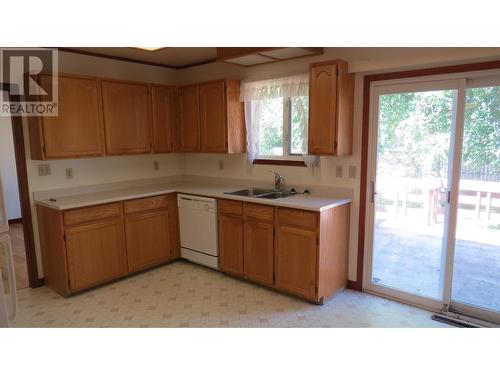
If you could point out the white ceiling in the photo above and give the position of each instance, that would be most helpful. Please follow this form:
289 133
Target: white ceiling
172 57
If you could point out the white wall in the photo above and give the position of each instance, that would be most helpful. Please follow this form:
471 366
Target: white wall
8 169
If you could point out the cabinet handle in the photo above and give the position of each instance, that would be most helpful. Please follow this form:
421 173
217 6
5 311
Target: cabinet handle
373 193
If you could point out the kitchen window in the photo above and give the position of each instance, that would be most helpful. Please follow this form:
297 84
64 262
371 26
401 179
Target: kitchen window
277 113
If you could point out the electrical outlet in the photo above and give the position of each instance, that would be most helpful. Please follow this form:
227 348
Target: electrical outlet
352 171
156 165
221 164
69 173
44 169
338 171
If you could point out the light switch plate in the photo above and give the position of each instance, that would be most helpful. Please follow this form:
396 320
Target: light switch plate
44 169
156 165
69 173
352 171
221 164
338 171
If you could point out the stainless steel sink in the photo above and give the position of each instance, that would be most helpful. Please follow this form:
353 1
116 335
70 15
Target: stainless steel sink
251 192
276 194
261 193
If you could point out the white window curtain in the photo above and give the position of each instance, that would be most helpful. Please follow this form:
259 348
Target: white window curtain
253 92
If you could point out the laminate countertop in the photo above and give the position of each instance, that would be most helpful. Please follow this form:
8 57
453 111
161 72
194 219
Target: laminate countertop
299 201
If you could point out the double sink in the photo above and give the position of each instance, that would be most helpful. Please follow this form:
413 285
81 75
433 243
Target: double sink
262 193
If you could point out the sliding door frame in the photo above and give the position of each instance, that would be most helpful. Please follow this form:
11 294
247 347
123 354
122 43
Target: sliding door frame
367 82
483 77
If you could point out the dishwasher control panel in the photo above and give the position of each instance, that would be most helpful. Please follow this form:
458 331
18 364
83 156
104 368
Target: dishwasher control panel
197 203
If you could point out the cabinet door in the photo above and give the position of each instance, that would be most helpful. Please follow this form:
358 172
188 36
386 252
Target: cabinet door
322 109
213 129
77 130
163 119
148 239
126 118
190 118
296 261
96 253
258 252
231 244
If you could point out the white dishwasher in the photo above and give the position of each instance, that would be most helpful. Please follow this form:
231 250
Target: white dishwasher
198 227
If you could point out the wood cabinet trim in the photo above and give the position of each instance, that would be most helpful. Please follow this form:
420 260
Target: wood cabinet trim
262 212
145 204
231 207
89 214
298 218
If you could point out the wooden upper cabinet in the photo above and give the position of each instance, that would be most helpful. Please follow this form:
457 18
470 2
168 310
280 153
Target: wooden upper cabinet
222 124
213 127
164 118
127 117
212 118
189 103
331 101
77 131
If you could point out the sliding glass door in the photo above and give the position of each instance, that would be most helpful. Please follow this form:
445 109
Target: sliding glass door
476 268
433 223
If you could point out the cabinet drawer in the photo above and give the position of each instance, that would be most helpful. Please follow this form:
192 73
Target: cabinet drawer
88 214
259 211
300 218
230 207
145 204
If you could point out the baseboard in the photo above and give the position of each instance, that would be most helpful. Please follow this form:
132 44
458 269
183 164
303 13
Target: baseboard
16 221
38 283
354 285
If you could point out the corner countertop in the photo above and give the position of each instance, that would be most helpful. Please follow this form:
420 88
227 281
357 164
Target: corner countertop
299 201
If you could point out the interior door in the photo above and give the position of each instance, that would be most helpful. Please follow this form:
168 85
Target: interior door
475 287
412 128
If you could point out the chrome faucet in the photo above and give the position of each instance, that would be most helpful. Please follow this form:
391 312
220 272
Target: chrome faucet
278 180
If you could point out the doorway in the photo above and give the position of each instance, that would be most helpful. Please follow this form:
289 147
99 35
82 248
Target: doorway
23 239
12 201
433 217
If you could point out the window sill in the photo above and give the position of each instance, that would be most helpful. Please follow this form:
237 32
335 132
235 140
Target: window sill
290 163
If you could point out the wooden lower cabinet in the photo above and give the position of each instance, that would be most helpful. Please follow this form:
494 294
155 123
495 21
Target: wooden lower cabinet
258 252
300 252
296 259
231 244
86 247
95 253
148 239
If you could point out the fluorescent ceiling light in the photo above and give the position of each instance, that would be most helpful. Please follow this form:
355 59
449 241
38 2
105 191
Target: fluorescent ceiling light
150 49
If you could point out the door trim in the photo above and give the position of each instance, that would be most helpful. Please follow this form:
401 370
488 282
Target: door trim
24 195
367 81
